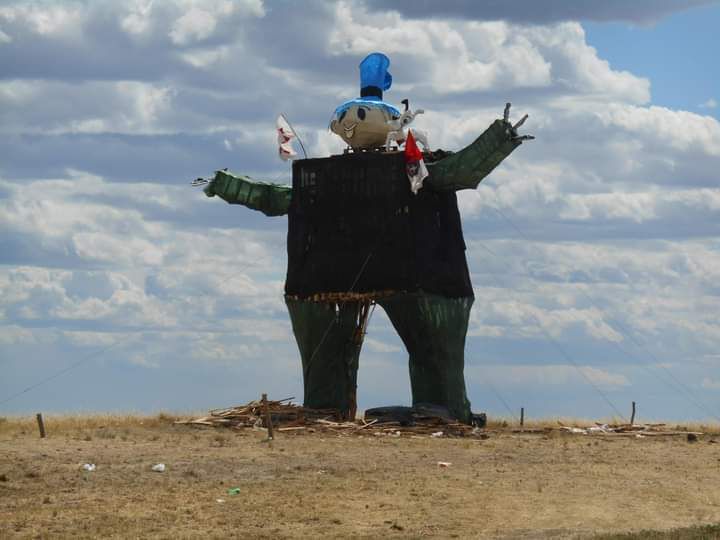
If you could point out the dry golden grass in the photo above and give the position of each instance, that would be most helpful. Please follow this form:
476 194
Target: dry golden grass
511 485
62 423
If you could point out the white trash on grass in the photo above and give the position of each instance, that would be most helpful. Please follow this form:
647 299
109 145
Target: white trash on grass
160 467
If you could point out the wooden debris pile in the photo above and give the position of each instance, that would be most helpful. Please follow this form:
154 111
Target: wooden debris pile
282 413
286 416
289 417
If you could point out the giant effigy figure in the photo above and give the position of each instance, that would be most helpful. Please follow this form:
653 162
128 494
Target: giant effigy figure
376 225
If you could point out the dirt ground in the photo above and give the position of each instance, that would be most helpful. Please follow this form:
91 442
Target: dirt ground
510 485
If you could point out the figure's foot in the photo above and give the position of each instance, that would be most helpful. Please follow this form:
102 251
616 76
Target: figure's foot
479 420
396 413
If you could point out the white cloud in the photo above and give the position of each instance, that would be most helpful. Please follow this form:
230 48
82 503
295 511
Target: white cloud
205 58
709 104
520 319
478 58
13 334
195 25
143 361
531 11
681 130
549 375
189 281
200 19
213 350
637 207
378 346
47 19
93 339
56 108
605 378
18 92
138 19
710 384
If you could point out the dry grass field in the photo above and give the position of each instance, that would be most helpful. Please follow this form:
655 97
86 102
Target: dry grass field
313 485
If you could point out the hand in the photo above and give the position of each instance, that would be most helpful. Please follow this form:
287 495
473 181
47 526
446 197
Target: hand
513 128
208 189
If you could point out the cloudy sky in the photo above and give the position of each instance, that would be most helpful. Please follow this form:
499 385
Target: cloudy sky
594 250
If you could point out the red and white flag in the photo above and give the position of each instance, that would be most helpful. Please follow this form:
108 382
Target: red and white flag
285 135
414 164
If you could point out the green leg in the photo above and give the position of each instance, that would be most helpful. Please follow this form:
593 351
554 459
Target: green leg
329 352
433 329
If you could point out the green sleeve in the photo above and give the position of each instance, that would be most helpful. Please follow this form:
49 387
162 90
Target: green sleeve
270 199
466 168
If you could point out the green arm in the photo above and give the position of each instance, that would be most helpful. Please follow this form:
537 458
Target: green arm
270 199
466 168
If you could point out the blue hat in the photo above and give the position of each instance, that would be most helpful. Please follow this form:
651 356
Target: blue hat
374 78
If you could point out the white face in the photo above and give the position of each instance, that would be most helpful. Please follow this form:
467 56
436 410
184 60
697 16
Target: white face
362 127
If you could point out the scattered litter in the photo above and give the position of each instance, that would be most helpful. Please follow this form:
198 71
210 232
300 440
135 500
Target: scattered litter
576 430
220 500
437 434
627 430
160 467
444 464
233 491
89 467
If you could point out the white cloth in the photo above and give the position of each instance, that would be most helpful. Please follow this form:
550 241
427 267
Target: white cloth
285 135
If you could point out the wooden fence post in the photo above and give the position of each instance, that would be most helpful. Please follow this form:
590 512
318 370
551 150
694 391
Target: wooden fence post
268 418
41 425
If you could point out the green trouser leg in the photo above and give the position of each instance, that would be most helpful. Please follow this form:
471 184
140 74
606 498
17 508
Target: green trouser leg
325 334
433 329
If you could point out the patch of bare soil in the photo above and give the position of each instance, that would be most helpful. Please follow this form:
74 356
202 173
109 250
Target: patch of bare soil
322 484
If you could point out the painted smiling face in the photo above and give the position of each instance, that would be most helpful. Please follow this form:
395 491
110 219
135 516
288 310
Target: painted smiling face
363 126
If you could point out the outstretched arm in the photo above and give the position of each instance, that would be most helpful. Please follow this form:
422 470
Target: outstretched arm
270 199
466 168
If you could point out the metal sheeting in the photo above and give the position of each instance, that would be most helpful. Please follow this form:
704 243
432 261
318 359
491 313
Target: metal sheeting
354 226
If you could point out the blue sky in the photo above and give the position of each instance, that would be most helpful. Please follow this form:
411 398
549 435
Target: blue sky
677 53
594 250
